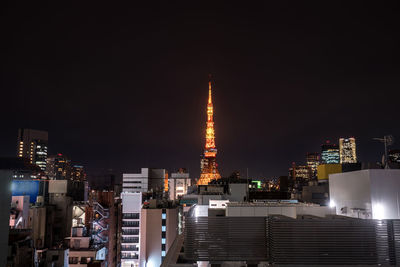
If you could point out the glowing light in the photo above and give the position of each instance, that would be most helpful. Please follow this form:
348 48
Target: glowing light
208 166
378 211
332 203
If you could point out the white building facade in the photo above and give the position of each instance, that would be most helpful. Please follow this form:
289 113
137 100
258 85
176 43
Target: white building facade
367 194
178 185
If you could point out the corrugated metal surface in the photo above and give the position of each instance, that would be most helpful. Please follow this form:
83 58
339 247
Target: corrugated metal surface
225 238
283 240
328 241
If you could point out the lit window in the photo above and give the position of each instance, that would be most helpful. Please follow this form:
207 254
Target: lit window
164 216
163 241
162 253
163 228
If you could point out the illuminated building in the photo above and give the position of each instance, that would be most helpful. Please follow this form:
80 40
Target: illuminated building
148 180
347 148
299 172
59 167
178 184
208 164
330 153
78 173
32 144
312 163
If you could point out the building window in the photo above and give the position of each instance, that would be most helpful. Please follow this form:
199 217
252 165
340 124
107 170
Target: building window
163 247
162 253
164 216
163 241
163 235
164 222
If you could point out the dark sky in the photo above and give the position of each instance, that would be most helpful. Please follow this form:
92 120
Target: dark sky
125 87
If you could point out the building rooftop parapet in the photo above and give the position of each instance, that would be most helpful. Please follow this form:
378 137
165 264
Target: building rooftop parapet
271 204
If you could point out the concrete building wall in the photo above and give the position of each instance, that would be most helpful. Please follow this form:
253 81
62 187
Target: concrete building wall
172 226
37 222
289 211
372 193
62 217
237 192
151 235
5 197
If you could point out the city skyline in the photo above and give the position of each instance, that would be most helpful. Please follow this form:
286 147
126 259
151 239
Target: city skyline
131 92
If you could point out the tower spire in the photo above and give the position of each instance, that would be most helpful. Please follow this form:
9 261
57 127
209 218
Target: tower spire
208 163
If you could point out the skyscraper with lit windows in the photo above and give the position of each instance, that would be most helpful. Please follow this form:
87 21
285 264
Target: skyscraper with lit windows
313 162
330 153
32 144
347 148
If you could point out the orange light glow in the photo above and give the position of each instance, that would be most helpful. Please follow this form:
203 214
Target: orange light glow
209 166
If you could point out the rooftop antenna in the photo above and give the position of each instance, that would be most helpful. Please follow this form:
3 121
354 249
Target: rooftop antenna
387 140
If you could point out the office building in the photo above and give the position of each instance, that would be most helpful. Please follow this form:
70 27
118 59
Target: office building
178 184
330 153
32 144
59 167
347 148
148 180
301 172
130 228
78 173
312 160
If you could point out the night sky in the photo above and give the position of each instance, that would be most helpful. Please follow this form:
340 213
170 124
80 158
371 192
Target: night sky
124 87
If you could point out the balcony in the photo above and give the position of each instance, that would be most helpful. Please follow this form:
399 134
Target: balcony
130 223
130 231
129 248
130 240
130 215
126 256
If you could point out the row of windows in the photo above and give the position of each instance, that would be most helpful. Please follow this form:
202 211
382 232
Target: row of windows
130 223
163 233
130 215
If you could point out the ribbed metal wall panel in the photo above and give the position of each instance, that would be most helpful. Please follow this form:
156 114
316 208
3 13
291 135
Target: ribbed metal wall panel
283 240
328 241
225 238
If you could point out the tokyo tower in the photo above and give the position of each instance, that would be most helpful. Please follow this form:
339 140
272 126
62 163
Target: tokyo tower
208 164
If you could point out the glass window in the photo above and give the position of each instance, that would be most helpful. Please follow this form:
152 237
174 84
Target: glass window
164 216
163 241
163 228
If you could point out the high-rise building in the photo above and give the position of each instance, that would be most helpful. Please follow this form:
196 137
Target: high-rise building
299 172
208 164
312 163
58 167
347 148
148 180
330 153
178 184
130 228
78 173
32 144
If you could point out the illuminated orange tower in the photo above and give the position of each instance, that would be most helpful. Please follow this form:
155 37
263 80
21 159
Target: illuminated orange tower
208 164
